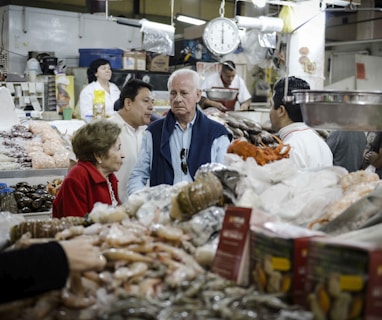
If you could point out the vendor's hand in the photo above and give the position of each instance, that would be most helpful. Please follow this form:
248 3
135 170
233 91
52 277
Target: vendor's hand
83 255
244 107
219 106
370 156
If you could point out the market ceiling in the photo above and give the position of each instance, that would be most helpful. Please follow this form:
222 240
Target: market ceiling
126 8
136 9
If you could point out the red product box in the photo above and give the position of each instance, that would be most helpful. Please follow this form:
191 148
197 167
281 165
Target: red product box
344 279
231 260
278 257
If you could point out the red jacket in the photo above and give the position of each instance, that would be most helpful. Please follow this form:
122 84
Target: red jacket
82 188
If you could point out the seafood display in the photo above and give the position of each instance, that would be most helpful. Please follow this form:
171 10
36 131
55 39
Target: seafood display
356 187
160 244
263 154
151 273
251 139
365 212
44 228
239 127
204 192
33 198
36 146
307 198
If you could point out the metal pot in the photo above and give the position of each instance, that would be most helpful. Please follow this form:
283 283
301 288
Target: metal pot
341 110
221 94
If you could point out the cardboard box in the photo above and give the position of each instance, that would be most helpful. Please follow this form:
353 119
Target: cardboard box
157 62
134 60
278 257
344 279
87 56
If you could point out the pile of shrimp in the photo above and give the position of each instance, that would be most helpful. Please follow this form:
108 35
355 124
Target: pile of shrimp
150 269
262 153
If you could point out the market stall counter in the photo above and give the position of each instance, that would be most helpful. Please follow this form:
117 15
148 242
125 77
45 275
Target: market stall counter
34 161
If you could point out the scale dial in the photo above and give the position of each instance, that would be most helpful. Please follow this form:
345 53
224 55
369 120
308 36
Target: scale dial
221 36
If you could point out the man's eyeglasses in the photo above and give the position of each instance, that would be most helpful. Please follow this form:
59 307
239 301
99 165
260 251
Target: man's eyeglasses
183 163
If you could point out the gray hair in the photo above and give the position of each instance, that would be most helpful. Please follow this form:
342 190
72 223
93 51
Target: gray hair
184 72
95 139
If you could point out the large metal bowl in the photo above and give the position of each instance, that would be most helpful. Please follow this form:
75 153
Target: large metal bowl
221 94
341 110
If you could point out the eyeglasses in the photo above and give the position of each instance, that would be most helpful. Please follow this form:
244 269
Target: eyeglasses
183 163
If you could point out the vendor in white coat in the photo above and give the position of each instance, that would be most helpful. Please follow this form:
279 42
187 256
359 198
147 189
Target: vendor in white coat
99 75
135 109
226 78
308 149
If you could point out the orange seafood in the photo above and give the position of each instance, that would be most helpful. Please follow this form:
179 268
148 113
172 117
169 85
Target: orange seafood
263 154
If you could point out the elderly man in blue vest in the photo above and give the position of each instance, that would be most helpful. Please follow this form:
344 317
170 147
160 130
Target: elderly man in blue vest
173 148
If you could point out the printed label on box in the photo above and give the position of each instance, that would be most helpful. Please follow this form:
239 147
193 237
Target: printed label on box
232 256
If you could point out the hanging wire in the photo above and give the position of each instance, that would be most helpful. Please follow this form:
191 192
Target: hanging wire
221 10
172 13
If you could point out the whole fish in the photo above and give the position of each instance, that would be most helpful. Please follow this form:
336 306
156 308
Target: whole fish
363 213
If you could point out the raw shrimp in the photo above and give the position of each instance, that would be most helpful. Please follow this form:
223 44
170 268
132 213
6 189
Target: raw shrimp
117 236
133 270
69 233
74 295
114 254
168 232
149 286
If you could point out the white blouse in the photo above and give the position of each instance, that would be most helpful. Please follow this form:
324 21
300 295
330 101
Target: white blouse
87 97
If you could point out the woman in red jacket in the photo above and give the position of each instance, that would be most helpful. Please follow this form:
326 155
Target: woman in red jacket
97 147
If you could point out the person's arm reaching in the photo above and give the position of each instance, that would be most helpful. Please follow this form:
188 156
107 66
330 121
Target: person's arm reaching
206 103
44 267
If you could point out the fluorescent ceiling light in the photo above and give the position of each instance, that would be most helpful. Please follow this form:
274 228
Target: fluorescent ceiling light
343 3
190 20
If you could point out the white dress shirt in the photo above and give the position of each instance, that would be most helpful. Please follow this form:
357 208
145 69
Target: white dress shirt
131 140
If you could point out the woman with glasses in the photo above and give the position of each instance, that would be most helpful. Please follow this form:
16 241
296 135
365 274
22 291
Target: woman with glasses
173 148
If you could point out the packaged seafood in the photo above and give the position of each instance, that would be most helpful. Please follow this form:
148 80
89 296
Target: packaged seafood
204 192
343 279
278 253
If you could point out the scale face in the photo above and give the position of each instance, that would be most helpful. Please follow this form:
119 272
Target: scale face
221 36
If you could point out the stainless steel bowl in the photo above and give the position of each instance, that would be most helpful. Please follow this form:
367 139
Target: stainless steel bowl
222 94
341 110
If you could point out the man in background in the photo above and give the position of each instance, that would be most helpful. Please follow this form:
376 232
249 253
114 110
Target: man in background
227 78
174 147
347 148
308 149
135 109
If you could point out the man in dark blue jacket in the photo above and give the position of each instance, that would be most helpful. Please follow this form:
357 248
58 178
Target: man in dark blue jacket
173 148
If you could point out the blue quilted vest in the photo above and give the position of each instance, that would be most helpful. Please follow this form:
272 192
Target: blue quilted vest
204 132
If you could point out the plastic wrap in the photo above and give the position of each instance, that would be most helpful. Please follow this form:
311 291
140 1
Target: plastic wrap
204 192
7 221
158 37
41 160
